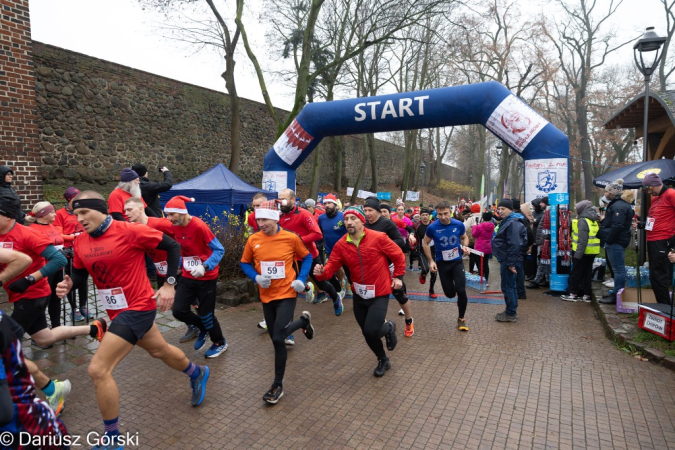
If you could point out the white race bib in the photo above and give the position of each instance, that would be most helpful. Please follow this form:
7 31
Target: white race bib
364 290
112 298
58 247
191 262
7 245
275 270
449 255
649 225
161 267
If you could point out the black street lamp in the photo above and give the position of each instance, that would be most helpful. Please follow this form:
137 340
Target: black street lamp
649 50
422 167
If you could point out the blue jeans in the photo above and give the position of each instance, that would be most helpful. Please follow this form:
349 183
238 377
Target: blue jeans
509 288
520 279
616 255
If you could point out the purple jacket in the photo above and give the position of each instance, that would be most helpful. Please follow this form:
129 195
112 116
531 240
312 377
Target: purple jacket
482 233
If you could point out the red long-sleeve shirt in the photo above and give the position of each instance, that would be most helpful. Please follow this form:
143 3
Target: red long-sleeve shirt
663 213
301 222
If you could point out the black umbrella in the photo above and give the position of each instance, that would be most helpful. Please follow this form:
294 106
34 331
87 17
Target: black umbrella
632 175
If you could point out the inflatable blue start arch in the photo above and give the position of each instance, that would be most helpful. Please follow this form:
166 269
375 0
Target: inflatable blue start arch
544 148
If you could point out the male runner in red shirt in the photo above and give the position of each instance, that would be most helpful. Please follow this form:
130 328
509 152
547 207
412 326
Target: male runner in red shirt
113 252
129 186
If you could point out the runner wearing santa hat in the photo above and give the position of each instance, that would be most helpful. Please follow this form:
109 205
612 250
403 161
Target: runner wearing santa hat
366 253
201 252
269 259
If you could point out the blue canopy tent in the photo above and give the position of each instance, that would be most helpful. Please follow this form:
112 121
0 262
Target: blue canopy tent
216 192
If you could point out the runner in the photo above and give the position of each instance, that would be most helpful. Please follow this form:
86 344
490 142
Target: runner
258 200
366 253
133 208
300 221
29 293
201 252
129 186
269 260
376 214
425 220
451 242
113 252
67 220
333 228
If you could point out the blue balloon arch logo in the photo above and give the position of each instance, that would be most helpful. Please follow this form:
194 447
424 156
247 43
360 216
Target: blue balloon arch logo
544 148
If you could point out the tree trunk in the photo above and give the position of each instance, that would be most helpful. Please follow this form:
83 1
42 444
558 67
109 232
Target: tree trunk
364 155
503 166
235 116
480 160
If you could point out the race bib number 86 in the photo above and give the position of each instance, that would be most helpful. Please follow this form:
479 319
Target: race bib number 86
112 298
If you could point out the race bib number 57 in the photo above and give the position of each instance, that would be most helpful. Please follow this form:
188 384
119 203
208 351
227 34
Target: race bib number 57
112 298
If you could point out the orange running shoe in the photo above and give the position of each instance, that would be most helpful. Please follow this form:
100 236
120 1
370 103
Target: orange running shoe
461 325
98 329
409 329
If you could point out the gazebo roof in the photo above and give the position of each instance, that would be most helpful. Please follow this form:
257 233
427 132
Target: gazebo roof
632 115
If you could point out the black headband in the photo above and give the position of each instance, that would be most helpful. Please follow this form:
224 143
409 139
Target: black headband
91 203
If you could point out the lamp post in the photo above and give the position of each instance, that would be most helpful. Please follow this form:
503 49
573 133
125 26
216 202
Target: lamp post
649 50
422 167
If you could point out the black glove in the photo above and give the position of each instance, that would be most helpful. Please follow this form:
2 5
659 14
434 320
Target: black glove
20 285
641 225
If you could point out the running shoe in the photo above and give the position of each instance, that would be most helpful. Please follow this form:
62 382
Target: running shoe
338 307
423 278
349 290
215 350
262 324
585 299
190 334
320 298
390 337
433 295
503 317
108 443
85 313
77 316
309 329
43 347
201 340
100 326
461 325
274 394
409 329
570 297
309 293
609 283
401 312
199 385
290 340
343 291
382 366
58 399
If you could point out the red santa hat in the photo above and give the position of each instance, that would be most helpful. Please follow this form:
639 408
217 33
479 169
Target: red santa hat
330 198
177 204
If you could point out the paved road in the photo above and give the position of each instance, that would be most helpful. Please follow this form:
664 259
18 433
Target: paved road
552 380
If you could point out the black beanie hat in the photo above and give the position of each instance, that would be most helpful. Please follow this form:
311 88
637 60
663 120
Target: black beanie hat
506 203
372 202
9 206
140 169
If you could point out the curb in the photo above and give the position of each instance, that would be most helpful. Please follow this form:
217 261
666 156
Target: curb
619 330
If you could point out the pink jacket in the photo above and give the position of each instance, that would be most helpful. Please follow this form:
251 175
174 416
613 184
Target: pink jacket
482 233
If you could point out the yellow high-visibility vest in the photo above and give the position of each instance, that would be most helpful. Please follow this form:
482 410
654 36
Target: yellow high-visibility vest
593 245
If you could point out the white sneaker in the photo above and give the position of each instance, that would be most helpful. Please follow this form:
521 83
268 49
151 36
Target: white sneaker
586 299
58 399
401 313
262 325
570 297
309 295
609 283
289 340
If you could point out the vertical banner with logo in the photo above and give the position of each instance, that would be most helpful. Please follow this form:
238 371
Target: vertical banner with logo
545 176
274 181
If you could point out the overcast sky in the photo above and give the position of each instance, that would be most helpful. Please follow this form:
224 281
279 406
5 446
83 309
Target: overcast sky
121 31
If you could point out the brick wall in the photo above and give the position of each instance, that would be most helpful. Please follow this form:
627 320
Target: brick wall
18 108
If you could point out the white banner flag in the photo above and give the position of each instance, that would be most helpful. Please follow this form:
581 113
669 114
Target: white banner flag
545 176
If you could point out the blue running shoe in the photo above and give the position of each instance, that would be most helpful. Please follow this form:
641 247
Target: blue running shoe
199 385
201 339
320 298
338 306
290 340
108 443
216 350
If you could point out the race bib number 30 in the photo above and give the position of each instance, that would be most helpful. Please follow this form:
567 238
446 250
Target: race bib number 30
449 255
275 270
364 290
191 262
112 298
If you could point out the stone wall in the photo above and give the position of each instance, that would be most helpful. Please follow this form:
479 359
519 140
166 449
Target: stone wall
18 131
96 117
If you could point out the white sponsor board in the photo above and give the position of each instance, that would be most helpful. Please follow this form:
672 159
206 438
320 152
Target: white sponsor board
515 122
365 194
412 196
274 181
545 176
350 190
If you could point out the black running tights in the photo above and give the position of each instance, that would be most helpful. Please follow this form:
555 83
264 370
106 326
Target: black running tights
370 314
280 324
453 282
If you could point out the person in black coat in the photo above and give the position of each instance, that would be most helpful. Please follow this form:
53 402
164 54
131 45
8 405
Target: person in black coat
507 246
150 190
7 191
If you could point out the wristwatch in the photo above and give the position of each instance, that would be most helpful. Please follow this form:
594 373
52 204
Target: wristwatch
31 279
171 281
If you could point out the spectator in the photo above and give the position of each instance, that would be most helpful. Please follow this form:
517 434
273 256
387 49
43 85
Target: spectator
471 221
537 215
542 239
585 247
150 190
660 228
520 279
6 190
482 233
508 246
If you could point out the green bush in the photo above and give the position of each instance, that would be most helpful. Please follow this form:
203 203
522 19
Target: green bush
232 234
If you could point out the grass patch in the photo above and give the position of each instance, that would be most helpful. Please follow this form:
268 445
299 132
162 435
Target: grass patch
655 341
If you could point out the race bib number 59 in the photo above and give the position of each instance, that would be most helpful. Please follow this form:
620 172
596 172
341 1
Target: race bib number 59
112 298
275 270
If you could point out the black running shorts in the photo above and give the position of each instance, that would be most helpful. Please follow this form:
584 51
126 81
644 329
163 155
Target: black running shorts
30 314
132 325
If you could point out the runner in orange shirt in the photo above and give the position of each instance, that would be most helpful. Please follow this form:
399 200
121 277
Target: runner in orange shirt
270 260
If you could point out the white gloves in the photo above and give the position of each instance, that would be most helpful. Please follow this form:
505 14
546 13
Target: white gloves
262 281
198 271
298 286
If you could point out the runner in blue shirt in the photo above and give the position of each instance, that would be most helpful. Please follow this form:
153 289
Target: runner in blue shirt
451 241
333 228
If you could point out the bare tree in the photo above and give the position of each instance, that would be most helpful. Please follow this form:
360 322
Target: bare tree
667 64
